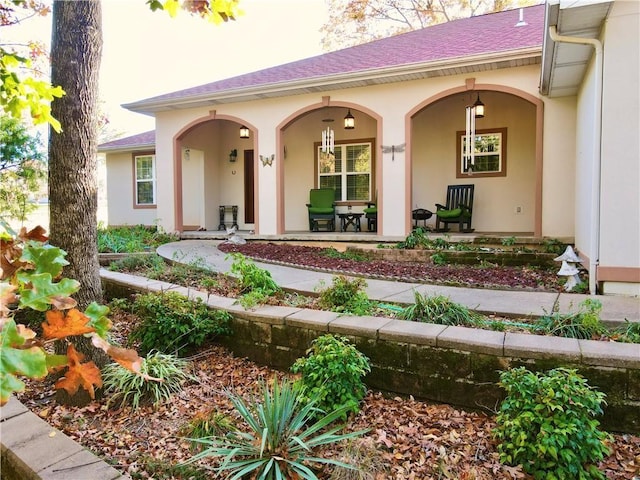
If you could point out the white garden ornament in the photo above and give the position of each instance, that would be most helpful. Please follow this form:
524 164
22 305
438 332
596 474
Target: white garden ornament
569 268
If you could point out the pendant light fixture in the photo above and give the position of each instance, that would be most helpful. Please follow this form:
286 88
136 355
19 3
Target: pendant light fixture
244 132
349 121
479 108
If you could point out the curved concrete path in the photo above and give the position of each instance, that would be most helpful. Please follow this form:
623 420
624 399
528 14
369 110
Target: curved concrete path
615 309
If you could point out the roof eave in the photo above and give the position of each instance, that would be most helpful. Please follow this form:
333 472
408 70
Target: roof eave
559 15
127 148
344 80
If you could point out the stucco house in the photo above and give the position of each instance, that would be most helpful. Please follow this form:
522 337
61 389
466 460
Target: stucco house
557 152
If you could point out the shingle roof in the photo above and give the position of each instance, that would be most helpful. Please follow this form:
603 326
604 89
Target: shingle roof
459 39
144 139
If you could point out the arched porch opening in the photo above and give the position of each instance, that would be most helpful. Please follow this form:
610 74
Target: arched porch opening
214 182
508 181
355 174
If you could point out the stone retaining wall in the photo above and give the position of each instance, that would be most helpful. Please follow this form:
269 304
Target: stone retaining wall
31 449
505 258
456 365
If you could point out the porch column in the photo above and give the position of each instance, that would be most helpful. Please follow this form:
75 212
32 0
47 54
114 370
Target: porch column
268 174
393 182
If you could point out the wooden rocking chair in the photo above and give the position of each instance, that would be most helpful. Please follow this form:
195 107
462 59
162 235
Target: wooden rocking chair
458 209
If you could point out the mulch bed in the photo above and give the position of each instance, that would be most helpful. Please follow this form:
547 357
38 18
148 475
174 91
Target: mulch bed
481 276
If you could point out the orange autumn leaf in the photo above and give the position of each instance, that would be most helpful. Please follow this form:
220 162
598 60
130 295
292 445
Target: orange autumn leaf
58 325
125 357
85 375
37 234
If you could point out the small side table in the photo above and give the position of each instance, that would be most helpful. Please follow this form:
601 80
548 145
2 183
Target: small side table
347 219
223 209
421 214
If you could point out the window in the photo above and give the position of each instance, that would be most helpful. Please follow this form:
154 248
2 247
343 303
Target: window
348 171
490 157
145 172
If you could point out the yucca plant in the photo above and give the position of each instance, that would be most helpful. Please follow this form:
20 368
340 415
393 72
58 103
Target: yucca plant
133 389
280 438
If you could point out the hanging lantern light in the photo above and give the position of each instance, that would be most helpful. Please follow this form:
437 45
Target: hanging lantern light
349 121
244 132
479 108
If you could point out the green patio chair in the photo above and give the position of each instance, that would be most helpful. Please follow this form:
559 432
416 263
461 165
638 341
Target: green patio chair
371 214
458 209
322 208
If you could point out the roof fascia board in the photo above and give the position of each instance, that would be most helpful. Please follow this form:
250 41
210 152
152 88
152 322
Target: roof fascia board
334 81
551 13
127 148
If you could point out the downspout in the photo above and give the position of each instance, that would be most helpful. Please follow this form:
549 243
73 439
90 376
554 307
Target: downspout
594 234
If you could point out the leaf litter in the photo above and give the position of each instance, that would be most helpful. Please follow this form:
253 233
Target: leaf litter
408 438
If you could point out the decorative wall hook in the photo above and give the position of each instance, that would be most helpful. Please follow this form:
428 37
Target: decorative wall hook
267 160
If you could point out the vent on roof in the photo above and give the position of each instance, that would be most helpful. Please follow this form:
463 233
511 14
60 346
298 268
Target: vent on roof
521 22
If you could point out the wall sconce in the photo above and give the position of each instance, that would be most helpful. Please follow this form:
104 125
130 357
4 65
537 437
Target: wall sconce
349 121
244 132
479 108
233 155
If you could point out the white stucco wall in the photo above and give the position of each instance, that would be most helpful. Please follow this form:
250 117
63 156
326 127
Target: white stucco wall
121 191
620 181
496 197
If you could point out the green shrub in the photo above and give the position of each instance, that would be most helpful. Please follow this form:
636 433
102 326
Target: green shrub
279 440
131 239
129 388
438 259
583 324
508 241
256 283
173 323
139 262
546 423
346 296
628 333
553 245
440 310
416 239
332 374
333 253
419 238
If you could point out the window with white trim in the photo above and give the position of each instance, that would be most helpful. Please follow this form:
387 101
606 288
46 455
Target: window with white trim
145 170
489 154
347 171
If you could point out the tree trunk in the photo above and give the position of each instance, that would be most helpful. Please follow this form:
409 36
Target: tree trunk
76 48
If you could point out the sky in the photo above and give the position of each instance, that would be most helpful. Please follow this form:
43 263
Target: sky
148 53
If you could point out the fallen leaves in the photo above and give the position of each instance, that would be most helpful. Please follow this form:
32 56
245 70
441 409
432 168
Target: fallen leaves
413 439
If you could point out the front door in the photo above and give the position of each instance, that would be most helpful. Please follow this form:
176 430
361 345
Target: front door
248 187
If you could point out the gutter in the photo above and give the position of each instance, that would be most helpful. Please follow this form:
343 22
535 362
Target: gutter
594 234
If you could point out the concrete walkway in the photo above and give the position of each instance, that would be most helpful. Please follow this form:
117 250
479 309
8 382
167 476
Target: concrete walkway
615 309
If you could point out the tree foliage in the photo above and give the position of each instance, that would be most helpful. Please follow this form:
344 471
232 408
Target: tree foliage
31 279
22 168
21 87
352 22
